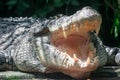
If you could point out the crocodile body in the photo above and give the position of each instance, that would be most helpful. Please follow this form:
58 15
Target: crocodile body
33 45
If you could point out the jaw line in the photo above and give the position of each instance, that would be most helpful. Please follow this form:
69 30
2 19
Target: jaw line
70 63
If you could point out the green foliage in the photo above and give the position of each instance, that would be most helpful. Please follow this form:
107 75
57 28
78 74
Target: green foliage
109 9
36 8
116 27
115 30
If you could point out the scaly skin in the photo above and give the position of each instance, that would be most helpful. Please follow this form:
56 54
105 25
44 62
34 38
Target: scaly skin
68 48
67 44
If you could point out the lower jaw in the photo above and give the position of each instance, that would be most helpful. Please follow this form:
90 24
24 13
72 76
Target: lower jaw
78 73
78 69
83 67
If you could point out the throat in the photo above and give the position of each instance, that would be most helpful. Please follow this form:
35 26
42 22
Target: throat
74 45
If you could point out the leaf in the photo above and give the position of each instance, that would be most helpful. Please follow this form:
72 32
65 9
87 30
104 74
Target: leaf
117 21
25 5
58 3
22 6
75 2
116 32
46 1
116 27
11 2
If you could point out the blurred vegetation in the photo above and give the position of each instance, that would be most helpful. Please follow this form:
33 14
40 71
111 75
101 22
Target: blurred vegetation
109 9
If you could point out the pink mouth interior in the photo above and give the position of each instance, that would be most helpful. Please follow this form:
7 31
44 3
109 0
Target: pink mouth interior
74 44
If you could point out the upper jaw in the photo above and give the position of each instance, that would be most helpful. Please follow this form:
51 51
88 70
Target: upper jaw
85 14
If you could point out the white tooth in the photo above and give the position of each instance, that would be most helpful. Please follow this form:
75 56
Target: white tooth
88 60
80 62
83 65
75 57
64 34
77 27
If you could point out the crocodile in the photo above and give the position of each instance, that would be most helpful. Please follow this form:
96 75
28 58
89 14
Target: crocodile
66 44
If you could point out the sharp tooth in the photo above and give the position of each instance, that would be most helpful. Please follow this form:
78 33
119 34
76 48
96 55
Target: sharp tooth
83 65
88 60
77 27
75 58
64 34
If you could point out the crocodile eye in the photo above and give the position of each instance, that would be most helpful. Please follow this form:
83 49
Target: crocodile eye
45 31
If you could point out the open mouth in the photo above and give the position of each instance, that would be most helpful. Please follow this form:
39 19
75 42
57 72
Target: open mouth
70 42
69 48
75 41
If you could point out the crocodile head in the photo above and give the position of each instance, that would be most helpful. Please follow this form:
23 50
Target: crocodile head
70 49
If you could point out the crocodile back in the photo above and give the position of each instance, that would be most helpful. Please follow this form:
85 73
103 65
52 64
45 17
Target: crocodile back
12 33
12 30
